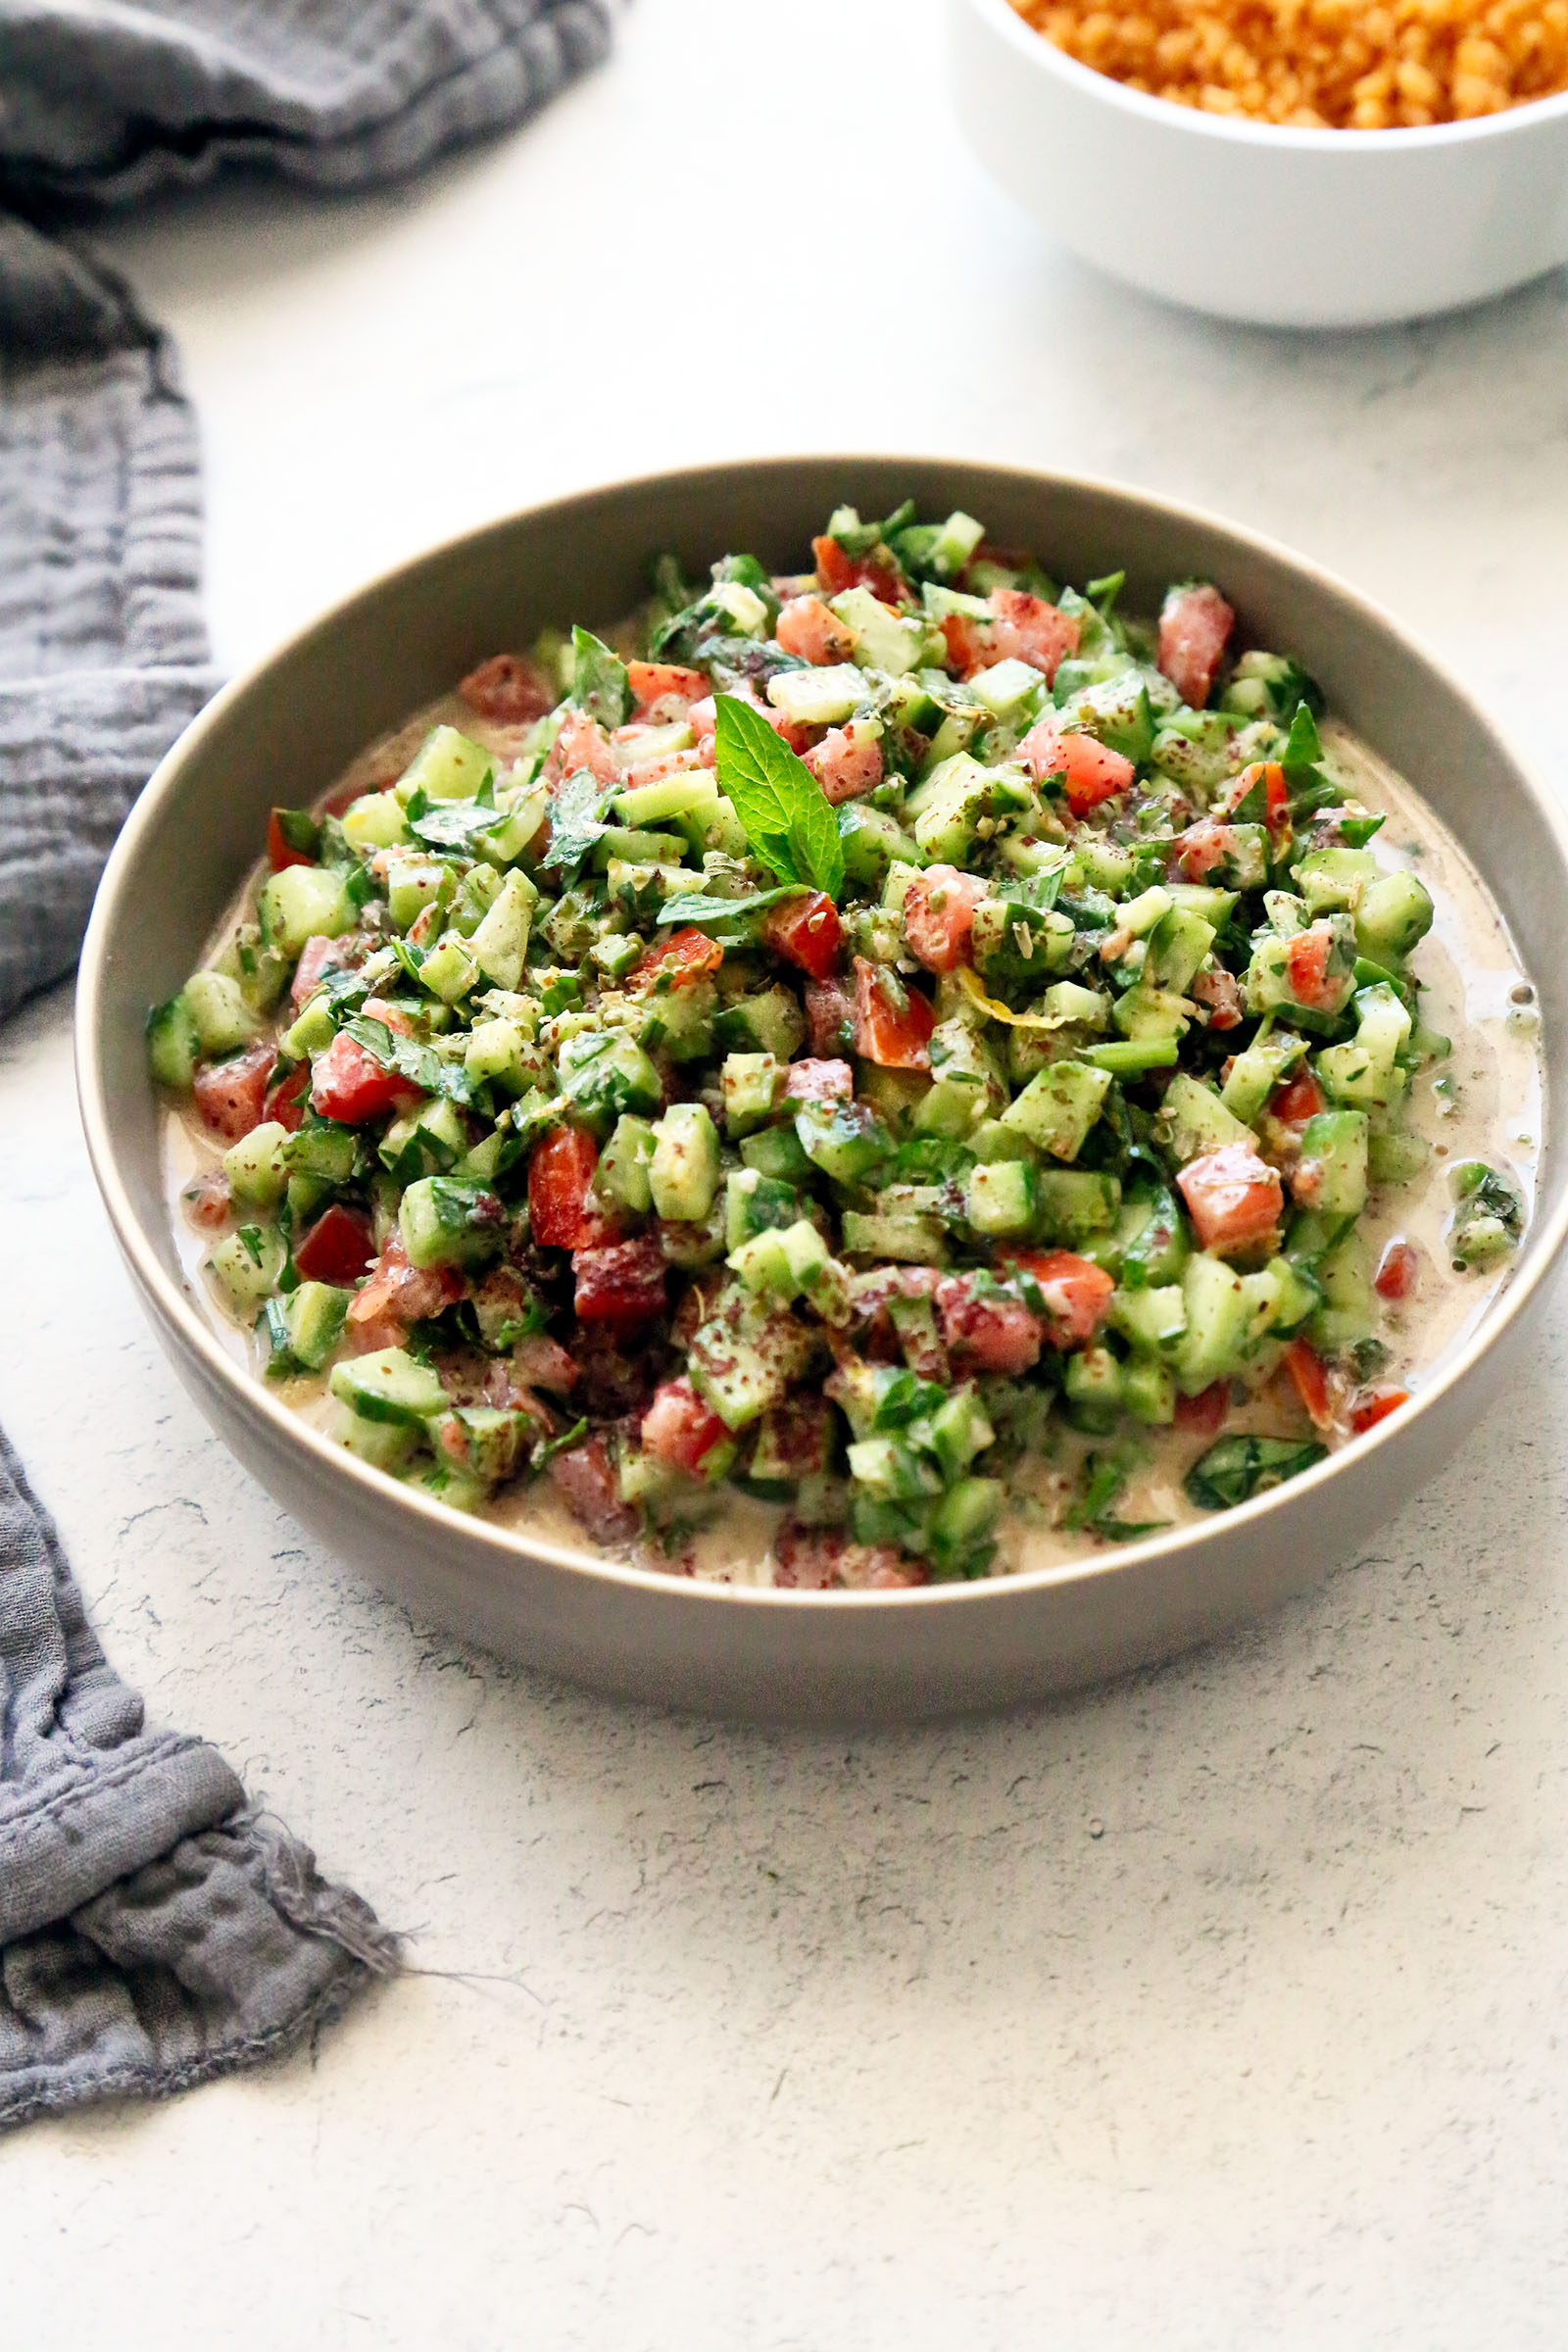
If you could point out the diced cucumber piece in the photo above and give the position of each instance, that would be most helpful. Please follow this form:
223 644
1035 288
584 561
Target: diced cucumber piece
755 1203
1218 1312
450 1222
1014 941
257 1167
305 902
1331 1175
681 1020
1257 1070
1058 1108
1394 1155
313 1032
1092 1383
388 1386
223 1020
621 1178
1177 947
415 883
783 1261
313 1316
683 1173
459 1490
1270 984
1154 1320
246 1265
1117 711
887 641
639 849
1333 881
1395 914
604 1073
958 1430
1140 915
490 1440
844 1140
818 698
946 808
960 1536
1148 1390
448 765
743 1358
450 970
1009 690
425 1142
673 796
892 1469
617 953
871 842
1076 1204
1366 1072
323 1150
1348 1310
375 821
384 1445
916 1240
1194 1120
776 1151
496 1053
501 942
1147 1014
769 1023
173 1044
1002 1198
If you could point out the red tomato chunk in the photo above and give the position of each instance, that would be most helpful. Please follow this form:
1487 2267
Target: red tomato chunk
346 1084
619 1282
893 1024
1233 1196
231 1095
938 916
1092 772
561 1212
337 1248
678 1428
1077 1293
1398 1270
807 932
1195 628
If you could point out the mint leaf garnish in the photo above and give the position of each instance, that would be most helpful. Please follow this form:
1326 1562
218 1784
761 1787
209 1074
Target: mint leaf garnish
599 683
779 801
577 817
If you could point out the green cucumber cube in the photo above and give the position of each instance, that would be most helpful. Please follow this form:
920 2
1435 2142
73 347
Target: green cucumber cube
173 1044
448 765
683 1173
1058 1106
305 902
257 1167
223 1020
1002 1198
450 1222
1331 1175
388 1386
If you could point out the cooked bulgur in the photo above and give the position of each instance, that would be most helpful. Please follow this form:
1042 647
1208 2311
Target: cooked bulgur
1321 63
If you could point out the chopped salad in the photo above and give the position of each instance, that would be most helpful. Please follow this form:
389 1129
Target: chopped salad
827 1039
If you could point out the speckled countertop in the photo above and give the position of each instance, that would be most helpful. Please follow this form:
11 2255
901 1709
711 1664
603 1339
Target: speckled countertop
1216 2009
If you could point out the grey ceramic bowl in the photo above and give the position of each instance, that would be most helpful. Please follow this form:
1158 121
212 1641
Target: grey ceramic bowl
290 726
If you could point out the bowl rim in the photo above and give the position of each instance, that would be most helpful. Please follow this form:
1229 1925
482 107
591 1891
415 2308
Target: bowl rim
1241 129
181 1316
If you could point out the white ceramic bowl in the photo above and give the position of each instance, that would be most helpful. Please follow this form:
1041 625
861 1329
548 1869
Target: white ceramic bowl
1282 228
305 710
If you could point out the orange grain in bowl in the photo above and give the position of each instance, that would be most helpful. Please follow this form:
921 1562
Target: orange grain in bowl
1321 65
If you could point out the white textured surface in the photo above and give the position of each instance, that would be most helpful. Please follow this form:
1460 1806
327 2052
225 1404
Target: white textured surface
1217 2009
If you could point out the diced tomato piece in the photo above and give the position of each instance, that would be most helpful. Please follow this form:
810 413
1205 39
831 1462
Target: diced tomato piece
658 687
810 629
619 1282
390 1016
848 761
674 963
1234 1198
1221 993
560 1210
819 1082
1375 1408
338 1247
830 1013
656 768
1306 960
1024 628
822 1560
318 955
581 744
1297 1101
1398 1270
807 932
939 915
397 1296
1077 1292
1276 795
230 1094
1309 1377
208 1199
585 1478
1195 628
895 1033
678 1426
285 1100
987 1335
1204 1415
1094 772
278 853
836 572
347 1085
509 690
1201 847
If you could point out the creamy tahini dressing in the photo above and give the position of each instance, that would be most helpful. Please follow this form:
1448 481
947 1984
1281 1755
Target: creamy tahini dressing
1484 1102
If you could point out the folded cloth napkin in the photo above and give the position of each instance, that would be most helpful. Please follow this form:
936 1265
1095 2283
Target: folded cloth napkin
153 1931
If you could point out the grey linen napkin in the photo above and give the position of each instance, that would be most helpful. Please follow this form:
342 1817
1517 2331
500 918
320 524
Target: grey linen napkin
154 1931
